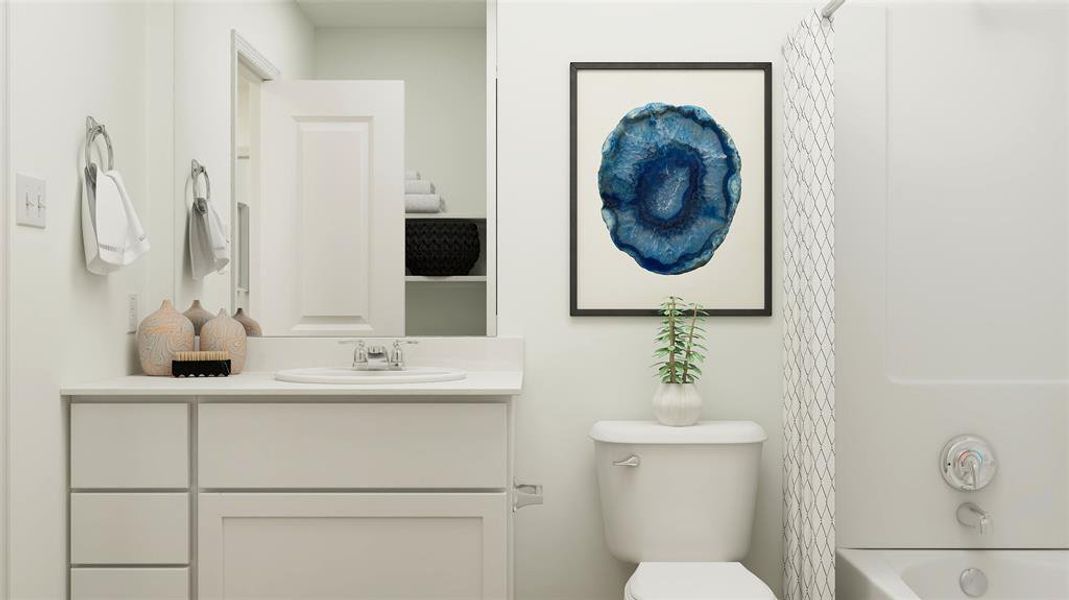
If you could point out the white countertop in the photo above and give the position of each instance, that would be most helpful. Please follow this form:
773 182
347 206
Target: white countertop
477 383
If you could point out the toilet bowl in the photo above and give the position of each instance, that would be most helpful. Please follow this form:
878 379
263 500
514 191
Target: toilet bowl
679 502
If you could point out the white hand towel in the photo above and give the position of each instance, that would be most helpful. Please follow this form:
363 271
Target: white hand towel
93 261
137 242
423 203
418 186
111 224
209 248
411 174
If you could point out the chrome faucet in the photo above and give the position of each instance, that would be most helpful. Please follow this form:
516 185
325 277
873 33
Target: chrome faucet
377 357
971 515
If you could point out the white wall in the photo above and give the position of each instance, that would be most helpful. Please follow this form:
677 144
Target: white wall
67 61
580 370
444 71
953 268
202 88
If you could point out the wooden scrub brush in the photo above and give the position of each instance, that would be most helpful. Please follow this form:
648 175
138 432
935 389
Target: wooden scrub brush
201 364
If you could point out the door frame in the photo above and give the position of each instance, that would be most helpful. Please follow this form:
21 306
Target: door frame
5 287
491 168
242 53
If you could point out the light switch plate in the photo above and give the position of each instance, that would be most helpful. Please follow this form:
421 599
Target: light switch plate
30 203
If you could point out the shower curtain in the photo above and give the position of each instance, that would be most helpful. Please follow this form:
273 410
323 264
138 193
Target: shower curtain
809 312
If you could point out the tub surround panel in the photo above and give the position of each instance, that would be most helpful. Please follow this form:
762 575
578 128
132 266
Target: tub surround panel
931 272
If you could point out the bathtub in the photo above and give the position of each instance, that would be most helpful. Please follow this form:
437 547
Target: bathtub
937 574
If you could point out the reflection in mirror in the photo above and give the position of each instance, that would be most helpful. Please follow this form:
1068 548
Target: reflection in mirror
359 184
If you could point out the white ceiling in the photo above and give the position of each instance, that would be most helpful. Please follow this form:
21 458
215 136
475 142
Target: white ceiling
395 13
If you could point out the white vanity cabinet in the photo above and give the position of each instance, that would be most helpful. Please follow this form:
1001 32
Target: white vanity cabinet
217 497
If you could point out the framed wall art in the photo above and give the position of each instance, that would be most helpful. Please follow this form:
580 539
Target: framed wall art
671 187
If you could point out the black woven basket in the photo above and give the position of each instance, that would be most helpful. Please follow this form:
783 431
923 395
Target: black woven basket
441 247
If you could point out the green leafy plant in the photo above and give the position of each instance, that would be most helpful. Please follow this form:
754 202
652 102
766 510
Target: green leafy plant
680 341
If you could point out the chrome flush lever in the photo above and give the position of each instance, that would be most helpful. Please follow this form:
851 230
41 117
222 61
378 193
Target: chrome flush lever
631 461
525 494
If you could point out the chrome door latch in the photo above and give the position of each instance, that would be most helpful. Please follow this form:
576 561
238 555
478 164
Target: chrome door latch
525 494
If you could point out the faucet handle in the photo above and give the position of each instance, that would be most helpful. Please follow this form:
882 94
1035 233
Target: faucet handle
967 463
397 360
359 352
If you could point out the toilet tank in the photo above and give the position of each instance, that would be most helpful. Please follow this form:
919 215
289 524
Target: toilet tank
678 494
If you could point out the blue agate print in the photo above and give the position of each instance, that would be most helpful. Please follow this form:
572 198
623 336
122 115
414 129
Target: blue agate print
669 183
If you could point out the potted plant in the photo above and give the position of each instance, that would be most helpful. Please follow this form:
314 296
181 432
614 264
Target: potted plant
680 350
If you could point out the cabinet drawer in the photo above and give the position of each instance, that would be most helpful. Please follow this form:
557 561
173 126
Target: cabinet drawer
382 446
130 584
130 529
129 446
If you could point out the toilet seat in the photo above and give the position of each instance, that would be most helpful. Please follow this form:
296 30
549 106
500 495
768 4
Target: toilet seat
695 581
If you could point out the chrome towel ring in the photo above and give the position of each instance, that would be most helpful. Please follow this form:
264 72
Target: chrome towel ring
197 171
92 130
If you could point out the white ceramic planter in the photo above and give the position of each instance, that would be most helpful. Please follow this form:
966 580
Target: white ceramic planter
677 404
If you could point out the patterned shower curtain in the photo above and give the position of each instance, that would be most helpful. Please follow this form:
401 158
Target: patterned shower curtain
809 312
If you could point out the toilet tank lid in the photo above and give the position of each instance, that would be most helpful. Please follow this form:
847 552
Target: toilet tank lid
705 432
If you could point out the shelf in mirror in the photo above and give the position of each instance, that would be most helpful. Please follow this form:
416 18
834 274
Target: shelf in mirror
444 216
446 279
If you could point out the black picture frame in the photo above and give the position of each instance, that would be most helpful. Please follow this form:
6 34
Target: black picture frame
575 67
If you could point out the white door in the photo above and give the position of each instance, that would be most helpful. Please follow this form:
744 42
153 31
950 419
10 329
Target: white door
332 222
352 546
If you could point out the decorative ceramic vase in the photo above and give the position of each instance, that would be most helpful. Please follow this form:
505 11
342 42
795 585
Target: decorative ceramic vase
677 404
160 336
252 328
224 333
198 315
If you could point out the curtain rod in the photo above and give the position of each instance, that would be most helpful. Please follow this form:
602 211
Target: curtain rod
830 8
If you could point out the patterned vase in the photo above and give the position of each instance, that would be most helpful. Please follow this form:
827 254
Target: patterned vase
252 328
160 336
224 333
198 315
677 404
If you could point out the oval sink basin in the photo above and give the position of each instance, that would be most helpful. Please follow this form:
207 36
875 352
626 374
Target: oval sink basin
341 375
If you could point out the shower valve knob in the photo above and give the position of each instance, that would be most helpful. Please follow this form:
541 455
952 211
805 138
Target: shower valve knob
967 463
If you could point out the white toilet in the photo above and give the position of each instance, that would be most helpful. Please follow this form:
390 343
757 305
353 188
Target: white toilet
679 501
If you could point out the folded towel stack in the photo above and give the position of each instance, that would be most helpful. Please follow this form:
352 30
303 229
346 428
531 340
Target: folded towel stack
420 196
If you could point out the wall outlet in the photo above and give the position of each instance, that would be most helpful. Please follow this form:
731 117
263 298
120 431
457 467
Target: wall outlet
30 203
132 313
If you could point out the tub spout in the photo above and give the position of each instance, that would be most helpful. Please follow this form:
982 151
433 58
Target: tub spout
971 515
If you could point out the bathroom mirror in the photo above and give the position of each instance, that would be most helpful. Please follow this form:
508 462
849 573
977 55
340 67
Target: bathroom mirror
349 146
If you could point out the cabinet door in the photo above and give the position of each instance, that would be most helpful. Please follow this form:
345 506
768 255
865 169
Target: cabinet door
332 208
353 546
